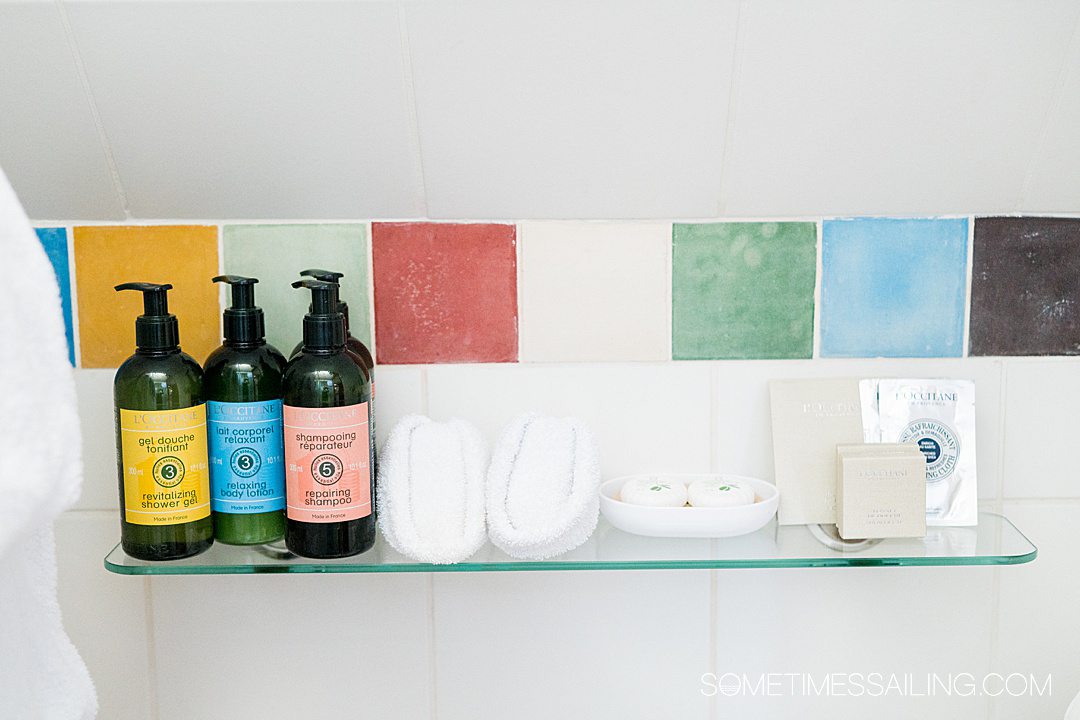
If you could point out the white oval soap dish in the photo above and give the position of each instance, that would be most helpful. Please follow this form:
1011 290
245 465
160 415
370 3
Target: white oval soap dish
687 521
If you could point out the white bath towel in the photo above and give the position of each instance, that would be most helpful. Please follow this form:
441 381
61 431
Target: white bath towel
543 487
41 673
431 489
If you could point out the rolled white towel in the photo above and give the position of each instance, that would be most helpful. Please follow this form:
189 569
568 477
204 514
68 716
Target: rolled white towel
543 487
431 489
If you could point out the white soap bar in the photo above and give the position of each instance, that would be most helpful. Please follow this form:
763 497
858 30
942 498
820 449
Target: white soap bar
719 493
654 492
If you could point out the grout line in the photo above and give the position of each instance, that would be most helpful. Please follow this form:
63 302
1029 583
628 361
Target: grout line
1064 71
729 123
714 640
819 283
371 289
84 82
151 649
969 274
1002 426
410 105
433 665
669 291
424 408
73 289
519 291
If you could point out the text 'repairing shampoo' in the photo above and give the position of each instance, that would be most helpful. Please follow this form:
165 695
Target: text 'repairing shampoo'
161 439
242 382
328 479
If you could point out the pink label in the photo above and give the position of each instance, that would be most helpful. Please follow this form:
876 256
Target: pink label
327 465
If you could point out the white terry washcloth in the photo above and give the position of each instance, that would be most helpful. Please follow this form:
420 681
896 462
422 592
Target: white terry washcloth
543 487
41 673
431 489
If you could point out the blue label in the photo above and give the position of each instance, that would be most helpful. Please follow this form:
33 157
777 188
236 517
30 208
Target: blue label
247 456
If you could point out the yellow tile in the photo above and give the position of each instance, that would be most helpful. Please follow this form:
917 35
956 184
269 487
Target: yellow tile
184 255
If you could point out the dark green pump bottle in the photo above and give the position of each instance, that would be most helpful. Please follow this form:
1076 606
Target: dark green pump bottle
329 489
357 349
161 439
242 383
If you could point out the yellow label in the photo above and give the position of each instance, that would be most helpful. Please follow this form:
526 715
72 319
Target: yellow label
166 472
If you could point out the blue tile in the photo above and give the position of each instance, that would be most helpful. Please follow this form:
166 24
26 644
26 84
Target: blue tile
55 242
893 288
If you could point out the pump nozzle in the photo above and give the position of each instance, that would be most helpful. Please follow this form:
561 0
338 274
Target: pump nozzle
324 325
156 328
332 277
244 323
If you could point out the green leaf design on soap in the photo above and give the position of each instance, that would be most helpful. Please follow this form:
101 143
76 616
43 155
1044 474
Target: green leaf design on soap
725 488
660 486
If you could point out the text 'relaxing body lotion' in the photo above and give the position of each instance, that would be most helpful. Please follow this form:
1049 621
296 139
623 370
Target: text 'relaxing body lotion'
161 439
242 383
329 504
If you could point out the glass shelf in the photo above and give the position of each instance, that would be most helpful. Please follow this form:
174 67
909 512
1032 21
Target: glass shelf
995 541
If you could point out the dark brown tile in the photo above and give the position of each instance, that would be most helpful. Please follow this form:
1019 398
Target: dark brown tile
1025 287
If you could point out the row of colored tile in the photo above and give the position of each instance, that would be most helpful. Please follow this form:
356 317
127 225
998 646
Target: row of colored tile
447 292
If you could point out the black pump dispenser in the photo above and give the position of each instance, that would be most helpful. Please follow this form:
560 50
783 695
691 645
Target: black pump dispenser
329 276
244 322
324 325
156 329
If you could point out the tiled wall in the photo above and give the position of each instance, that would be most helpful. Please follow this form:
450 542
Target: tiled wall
598 291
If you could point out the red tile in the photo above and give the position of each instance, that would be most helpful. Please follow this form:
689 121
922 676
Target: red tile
445 292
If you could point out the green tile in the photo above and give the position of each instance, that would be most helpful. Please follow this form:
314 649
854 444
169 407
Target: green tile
277 253
743 290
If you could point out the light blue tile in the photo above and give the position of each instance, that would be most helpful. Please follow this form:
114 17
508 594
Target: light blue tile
893 288
55 242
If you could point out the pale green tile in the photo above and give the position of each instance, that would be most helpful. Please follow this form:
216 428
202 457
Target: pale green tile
743 290
277 253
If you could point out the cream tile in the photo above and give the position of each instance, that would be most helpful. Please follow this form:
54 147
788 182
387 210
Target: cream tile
744 432
253 109
94 389
49 147
842 106
280 646
645 417
1038 628
1041 453
594 291
578 644
611 109
105 614
882 620
398 392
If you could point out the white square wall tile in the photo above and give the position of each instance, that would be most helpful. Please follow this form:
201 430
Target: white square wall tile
1038 626
105 614
594 291
609 109
571 645
814 622
94 390
253 109
398 392
744 442
306 646
843 107
645 417
1042 456
50 148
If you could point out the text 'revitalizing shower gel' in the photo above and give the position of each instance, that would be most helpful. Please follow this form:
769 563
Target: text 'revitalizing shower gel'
329 503
242 383
161 439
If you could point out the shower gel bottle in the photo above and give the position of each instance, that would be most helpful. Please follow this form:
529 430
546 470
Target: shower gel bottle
247 457
329 509
161 439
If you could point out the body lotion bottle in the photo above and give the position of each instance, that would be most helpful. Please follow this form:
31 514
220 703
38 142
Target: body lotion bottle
161 439
243 393
328 479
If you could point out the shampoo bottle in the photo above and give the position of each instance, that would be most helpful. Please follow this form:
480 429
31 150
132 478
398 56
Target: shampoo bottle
328 476
161 439
356 349
247 457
